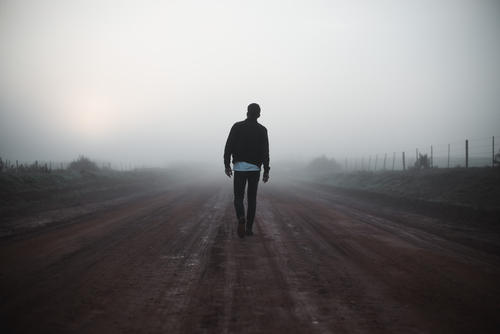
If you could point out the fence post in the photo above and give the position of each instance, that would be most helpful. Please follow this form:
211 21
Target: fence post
404 165
17 166
448 155
432 158
376 160
393 160
385 158
466 153
369 162
493 152
36 165
417 155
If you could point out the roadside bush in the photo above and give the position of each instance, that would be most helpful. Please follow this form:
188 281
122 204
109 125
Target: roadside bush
323 165
2 165
423 162
83 164
496 159
7 167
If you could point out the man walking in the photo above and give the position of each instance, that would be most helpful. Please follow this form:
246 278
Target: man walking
249 145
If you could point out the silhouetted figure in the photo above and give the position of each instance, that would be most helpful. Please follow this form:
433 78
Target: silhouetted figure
249 145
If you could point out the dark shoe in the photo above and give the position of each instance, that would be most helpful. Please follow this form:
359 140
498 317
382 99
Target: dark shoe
250 233
241 227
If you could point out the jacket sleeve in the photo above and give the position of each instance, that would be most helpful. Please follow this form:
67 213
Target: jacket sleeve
265 153
228 149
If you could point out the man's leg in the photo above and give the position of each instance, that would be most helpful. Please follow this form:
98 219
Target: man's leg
239 184
253 182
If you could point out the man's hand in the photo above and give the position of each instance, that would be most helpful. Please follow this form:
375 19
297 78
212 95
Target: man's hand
265 177
229 172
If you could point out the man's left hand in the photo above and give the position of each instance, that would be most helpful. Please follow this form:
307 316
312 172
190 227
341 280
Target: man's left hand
265 177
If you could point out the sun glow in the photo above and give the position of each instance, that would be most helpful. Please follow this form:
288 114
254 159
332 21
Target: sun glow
90 116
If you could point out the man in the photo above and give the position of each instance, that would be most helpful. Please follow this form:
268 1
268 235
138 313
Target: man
249 145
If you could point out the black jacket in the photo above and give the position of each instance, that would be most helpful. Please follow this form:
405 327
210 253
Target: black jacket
248 142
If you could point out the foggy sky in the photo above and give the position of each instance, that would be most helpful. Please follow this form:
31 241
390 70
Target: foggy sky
154 82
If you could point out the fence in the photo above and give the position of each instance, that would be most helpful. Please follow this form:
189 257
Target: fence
469 153
52 166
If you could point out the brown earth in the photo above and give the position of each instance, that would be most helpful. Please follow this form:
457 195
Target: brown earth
322 261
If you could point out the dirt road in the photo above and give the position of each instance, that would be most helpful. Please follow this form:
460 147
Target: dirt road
172 262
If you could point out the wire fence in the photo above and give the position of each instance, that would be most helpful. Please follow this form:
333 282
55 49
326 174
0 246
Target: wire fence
469 153
42 166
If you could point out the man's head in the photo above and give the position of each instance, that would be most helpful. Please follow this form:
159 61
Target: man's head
253 111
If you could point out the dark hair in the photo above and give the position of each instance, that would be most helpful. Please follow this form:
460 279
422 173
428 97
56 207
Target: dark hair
253 111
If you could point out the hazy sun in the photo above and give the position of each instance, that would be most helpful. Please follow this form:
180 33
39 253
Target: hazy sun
90 116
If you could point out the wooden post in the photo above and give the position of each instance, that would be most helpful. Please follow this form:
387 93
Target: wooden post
385 158
417 156
36 165
369 162
393 160
493 152
432 157
376 159
404 165
448 155
466 154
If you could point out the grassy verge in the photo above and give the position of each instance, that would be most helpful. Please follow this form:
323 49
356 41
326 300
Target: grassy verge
23 193
477 188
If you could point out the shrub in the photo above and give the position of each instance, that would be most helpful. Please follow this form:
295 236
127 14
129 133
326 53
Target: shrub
496 159
83 164
422 162
6 166
323 165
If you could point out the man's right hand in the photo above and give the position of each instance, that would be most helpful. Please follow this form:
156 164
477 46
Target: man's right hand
229 172
265 177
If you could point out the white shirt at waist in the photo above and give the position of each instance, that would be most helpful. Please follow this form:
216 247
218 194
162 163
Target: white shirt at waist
242 166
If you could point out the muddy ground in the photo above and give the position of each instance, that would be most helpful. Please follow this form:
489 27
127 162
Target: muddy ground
322 260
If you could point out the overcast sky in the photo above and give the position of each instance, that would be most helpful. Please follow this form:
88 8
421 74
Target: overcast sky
152 82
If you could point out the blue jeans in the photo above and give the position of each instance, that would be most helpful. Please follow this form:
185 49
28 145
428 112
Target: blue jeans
240 180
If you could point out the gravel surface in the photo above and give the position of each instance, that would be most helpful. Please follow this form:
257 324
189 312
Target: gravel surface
321 261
